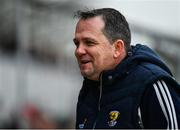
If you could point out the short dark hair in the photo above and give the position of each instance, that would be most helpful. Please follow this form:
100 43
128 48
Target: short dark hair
116 26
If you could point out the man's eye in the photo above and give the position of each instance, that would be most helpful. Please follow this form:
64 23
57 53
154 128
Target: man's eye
76 44
90 43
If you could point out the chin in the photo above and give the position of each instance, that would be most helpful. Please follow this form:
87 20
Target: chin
85 73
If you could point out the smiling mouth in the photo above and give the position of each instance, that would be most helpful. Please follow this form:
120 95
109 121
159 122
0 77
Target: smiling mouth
85 62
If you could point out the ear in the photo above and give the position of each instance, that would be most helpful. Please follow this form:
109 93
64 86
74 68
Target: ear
119 48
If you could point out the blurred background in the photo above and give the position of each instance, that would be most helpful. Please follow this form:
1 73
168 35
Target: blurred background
38 69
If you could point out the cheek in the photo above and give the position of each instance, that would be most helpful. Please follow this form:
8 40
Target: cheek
106 52
106 57
102 54
103 57
75 53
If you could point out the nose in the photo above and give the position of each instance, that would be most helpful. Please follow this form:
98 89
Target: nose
80 50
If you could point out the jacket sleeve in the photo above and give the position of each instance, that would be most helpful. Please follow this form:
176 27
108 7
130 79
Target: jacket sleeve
160 106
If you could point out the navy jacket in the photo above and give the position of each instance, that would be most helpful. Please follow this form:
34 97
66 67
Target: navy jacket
139 93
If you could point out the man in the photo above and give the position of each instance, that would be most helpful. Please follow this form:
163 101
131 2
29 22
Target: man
124 86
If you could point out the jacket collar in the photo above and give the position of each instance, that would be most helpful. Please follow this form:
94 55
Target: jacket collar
120 71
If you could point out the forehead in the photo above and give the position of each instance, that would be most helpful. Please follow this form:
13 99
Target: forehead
90 24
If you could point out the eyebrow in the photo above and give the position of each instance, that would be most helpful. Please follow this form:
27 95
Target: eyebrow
74 39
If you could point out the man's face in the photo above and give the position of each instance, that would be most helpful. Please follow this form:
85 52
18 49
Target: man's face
93 51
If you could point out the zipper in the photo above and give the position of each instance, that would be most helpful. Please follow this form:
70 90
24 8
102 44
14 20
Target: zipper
99 105
100 93
140 119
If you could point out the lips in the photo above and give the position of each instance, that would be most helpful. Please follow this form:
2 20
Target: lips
84 61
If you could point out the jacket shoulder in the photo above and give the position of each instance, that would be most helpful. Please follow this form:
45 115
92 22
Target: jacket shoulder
151 72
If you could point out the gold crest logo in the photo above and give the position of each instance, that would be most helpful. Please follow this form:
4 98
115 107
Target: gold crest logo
113 116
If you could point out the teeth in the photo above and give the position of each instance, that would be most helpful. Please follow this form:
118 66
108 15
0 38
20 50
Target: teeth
84 62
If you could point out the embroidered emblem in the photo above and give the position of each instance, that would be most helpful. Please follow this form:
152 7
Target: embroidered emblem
113 116
81 126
